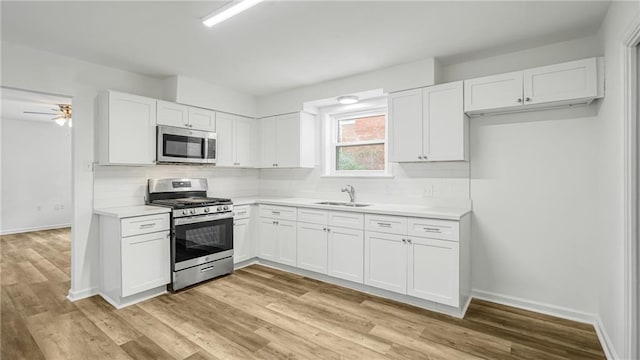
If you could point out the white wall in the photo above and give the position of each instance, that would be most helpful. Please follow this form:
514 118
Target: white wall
534 189
31 69
400 77
36 175
199 93
610 162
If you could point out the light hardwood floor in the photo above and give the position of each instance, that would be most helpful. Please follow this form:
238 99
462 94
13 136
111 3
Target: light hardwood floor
256 313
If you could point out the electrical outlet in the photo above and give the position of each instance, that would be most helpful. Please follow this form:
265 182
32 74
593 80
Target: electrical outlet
428 190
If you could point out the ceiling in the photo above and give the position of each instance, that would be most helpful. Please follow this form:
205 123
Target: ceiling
278 45
16 102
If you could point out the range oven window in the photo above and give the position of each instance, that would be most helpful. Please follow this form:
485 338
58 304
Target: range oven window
183 146
201 239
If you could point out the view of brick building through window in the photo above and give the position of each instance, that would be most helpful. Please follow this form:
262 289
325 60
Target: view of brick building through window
361 143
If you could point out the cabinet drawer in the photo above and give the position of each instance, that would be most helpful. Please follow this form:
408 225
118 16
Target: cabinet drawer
241 212
346 220
313 216
387 224
278 212
434 229
144 224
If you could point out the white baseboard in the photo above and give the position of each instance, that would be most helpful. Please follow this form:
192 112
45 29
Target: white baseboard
605 341
82 294
35 228
553 310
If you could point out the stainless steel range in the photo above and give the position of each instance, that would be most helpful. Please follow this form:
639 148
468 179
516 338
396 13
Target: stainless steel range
201 230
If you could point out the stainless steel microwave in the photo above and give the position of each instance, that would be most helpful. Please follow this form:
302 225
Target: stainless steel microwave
178 145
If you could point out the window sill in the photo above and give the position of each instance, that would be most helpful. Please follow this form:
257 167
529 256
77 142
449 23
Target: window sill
381 176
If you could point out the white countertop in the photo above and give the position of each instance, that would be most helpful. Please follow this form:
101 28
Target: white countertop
131 211
439 212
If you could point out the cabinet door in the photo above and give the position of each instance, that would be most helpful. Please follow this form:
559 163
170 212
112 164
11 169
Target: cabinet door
559 82
268 142
493 92
287 242
312 247
385 261
444 127
202 119
434 270
288 145
132 129
225 135
268 246
173 114
346 254
405 123
241 242
245 142
145 262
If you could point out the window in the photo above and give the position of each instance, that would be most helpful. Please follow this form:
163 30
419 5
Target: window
358 145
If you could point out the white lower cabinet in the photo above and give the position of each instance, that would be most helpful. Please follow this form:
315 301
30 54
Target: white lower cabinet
420 266
145 262
312 247
346 249
385 261
433 270
268 231
241 240
135 255
278 241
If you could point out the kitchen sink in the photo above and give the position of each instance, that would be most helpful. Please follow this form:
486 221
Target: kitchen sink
337 203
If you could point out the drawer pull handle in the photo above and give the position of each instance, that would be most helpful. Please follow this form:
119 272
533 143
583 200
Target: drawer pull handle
428 229
275 212
207 269
384 224
145 226
242 213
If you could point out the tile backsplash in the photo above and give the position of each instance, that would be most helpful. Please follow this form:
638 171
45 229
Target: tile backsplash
429 184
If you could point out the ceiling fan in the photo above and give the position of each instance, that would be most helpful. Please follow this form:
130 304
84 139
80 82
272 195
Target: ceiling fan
63 114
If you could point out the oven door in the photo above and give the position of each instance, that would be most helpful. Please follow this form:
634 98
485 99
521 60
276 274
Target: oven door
177 145
201 239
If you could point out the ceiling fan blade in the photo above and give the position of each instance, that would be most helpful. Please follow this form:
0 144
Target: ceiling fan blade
40 113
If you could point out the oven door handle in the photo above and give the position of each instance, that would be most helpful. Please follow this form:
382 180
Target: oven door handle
202 218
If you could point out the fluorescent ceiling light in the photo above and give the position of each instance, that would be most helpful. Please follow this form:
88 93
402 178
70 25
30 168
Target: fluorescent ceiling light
348 99
232 9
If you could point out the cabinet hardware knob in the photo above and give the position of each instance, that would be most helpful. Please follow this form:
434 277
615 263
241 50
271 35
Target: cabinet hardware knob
329 229
409 241
420 157
527 99
424 157
404 241
519 100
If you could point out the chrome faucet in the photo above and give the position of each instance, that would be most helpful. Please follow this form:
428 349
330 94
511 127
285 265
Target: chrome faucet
352 193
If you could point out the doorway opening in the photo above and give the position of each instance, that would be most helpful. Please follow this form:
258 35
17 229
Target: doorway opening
36 188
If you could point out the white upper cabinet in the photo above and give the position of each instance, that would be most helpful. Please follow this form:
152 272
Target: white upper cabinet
493 92
236 140
428 124
127 129
405 112
445 125
288 141
571 80
172 114
574 82
202 119
183 116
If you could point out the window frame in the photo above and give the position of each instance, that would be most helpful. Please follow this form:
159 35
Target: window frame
333 144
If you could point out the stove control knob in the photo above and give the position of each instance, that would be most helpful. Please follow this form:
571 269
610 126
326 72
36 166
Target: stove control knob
206 210
192 211
184 212
219 208
225 207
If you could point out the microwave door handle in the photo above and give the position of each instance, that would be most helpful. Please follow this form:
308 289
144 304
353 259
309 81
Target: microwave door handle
205 149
